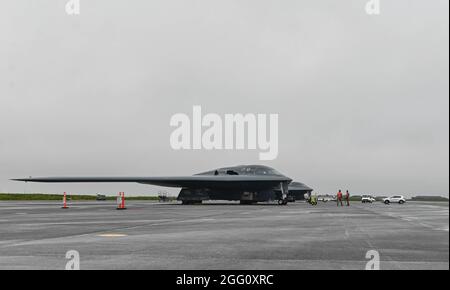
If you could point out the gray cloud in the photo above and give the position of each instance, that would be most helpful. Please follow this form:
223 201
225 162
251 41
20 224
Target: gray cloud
363 100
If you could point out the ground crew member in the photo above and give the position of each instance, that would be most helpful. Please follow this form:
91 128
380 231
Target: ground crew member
313 200
339 198
347 197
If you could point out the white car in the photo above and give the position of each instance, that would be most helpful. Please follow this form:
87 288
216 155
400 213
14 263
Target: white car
324 198
367 198
396 198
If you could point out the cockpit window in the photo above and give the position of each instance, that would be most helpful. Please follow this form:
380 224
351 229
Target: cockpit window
263 171
244 170
259 170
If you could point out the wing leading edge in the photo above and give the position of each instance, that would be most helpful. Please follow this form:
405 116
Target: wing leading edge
197 181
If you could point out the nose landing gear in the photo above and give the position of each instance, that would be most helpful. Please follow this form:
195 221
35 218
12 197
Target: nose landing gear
282 201
284 193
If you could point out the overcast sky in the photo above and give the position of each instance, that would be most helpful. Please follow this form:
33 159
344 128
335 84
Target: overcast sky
362 100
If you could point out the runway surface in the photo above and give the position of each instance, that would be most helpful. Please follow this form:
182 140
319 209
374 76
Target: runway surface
148 235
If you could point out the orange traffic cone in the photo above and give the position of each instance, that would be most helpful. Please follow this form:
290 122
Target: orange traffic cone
121 201
65 201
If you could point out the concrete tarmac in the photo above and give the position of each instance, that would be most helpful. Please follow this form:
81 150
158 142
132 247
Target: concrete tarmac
150 235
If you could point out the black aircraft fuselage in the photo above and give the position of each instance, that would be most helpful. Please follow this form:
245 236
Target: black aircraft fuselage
246 183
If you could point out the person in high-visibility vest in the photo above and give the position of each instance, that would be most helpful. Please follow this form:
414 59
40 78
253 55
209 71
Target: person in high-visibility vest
314 199
339 198
347 197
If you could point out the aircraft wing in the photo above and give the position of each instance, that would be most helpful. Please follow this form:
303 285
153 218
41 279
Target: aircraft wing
196 181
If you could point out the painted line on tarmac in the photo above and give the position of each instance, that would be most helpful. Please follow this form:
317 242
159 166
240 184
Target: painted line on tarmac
112 235
100 222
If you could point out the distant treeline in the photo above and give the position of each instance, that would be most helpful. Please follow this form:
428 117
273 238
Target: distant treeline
44 196
429 198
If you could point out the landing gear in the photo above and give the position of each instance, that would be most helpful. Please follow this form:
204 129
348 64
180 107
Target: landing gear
284 193
282 201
